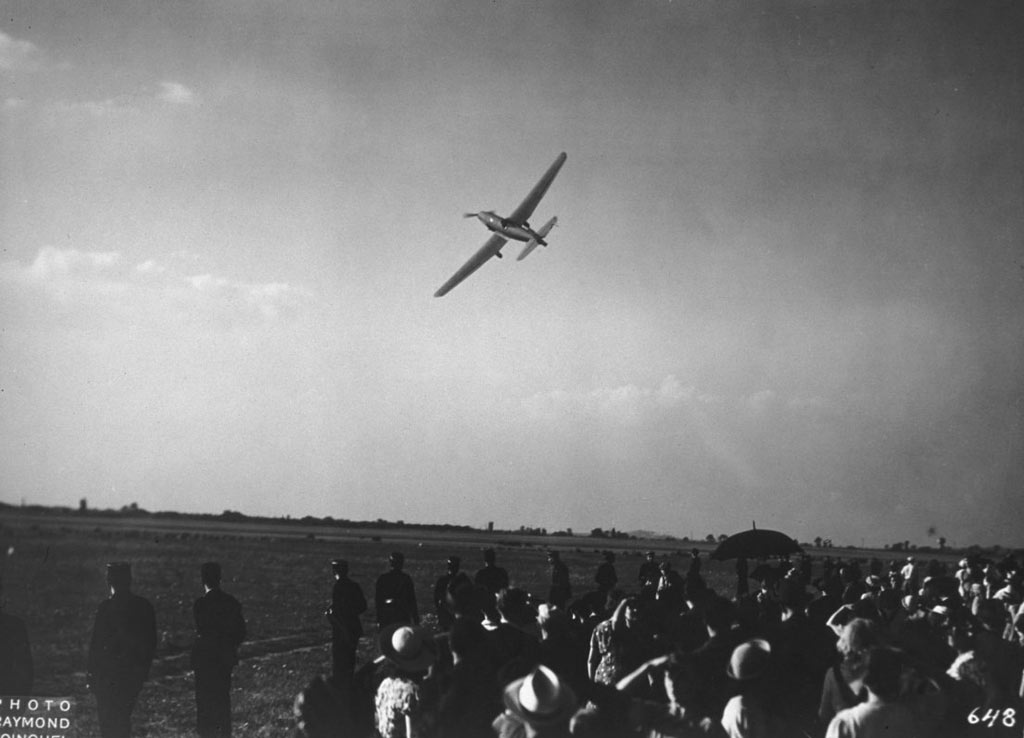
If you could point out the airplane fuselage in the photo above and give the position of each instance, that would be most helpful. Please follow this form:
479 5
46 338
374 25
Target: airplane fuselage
499 225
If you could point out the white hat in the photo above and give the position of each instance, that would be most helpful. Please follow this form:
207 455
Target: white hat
540 698
749 660
408 647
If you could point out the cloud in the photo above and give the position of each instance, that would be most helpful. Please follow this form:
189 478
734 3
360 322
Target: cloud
98 279
17 54
627 404
128 103
94 108
52 263
176 94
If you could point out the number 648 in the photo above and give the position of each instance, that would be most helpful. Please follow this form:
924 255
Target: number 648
1008 715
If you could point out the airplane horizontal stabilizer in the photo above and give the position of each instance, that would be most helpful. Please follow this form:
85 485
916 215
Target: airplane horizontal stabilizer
532 243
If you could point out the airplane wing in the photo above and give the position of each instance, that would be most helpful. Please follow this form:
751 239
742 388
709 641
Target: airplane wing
522 213
489 249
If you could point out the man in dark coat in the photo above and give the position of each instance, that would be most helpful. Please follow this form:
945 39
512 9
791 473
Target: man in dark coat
395 595
16 674
649 576
561 590
491 577
452 581
220 630
120 652
606 578
347 604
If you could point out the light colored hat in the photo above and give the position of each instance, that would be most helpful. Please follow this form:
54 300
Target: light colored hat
749 660
408 647
540 698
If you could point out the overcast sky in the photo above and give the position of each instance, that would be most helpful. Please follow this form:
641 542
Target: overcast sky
787 283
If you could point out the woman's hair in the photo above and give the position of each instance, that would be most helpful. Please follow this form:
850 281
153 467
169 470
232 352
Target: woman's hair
856 637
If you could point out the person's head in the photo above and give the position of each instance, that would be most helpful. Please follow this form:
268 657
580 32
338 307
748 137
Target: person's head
340 568
718 613
553 556
119 576
939 616
695 553
882 671
612 600
856 637
466 638
514 606
396 560
790 593
991 614
408 647
888 601
541 700
464 598
609 557
210 574
750 661
553 621
665 566
489 556
454 562
960 638
649 555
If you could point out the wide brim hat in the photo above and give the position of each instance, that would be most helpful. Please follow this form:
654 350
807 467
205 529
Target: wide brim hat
749 660
408 647
541 698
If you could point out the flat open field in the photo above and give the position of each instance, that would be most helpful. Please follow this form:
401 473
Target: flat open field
54 578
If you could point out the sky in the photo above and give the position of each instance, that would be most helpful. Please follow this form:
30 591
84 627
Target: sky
787 284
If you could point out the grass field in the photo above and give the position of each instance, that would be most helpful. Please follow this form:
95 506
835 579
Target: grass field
54 578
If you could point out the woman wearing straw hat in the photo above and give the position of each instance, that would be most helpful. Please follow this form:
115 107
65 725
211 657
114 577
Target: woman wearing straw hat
405 703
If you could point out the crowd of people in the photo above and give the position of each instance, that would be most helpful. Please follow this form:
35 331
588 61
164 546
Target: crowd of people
866 649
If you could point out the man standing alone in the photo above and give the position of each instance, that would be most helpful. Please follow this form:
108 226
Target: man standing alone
120 652
395 594
220 630
561 590
491 577
347 604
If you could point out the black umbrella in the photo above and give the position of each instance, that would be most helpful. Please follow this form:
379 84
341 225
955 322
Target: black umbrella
756 544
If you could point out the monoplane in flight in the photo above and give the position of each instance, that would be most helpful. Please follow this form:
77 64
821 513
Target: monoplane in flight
515 226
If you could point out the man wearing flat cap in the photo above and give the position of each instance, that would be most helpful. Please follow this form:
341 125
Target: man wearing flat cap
120 652
347 604
395 594
220 630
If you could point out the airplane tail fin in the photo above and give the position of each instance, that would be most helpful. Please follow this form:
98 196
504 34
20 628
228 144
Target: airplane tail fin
532 243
